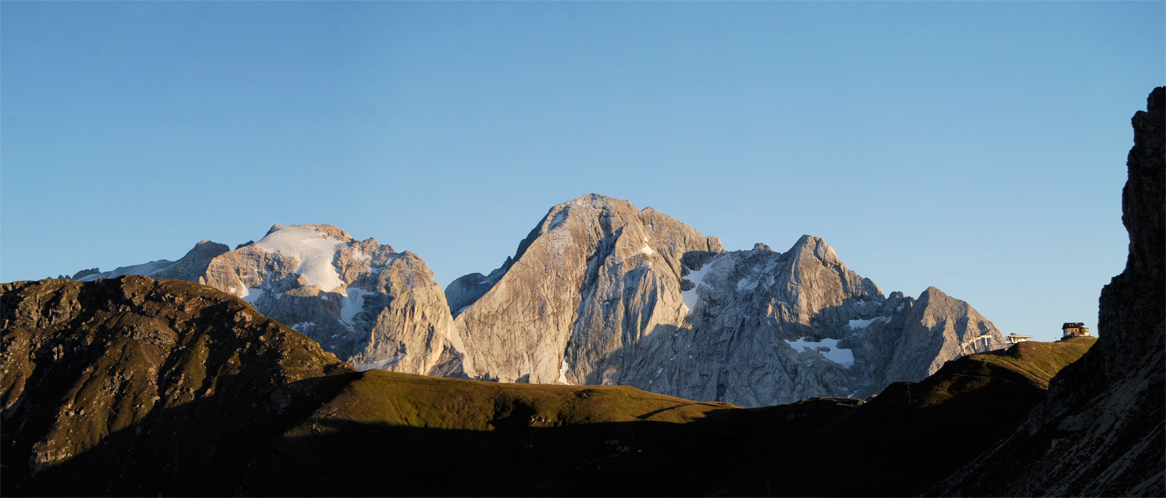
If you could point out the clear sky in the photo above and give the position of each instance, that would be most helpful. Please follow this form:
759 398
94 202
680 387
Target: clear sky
978 147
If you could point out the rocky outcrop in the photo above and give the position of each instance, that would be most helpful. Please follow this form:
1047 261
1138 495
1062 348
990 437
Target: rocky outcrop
135 383
1102 429
603 293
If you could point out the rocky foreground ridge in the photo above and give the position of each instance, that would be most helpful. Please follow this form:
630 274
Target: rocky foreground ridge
131 386
600 293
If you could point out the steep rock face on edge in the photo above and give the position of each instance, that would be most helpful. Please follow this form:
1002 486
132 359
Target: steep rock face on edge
134 383
365 302
601 293
1102 430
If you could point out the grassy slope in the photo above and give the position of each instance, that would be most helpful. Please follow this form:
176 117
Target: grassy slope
397 434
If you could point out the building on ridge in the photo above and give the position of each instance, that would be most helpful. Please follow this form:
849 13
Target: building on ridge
1016 339
1074 329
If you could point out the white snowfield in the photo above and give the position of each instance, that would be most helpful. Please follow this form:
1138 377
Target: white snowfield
563 368
827 348
315 251
351 305
378 365
696 277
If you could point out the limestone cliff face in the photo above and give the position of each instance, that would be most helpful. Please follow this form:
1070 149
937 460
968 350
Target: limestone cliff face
596 272
1102 430
603 293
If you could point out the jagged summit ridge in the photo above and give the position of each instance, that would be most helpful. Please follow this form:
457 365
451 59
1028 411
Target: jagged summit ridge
602 293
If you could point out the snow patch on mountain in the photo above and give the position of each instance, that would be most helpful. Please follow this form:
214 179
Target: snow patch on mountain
559 218
352 304
378 365
314 249
251 294
828 348
690 296
146 269
563 368
862 324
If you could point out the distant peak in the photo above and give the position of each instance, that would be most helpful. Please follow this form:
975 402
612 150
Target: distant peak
326 230
809 245
932 292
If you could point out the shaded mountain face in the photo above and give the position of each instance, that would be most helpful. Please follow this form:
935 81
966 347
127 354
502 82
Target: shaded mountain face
603 293
370 305
1101 432
600 293
129 386
135 386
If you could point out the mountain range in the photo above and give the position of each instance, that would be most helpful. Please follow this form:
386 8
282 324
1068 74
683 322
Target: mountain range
131 385
599 293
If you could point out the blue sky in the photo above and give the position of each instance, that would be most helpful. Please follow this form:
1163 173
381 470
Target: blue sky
977 147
